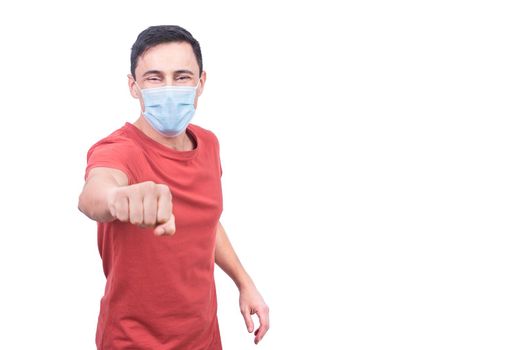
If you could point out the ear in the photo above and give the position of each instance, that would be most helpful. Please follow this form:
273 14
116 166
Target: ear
133 89
200 89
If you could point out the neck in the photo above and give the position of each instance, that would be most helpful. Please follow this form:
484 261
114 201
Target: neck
181 142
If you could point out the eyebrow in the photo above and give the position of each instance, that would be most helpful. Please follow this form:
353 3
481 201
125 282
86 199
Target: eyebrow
179 71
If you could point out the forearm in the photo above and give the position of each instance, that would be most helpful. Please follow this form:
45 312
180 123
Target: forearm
93 200
227 259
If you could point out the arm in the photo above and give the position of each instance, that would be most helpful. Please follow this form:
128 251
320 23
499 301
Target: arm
251 301
106 196
93 199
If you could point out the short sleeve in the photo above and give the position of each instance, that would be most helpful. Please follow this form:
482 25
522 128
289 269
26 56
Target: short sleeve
117 154
218 153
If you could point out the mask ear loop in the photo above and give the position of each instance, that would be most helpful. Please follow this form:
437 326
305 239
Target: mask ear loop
139 89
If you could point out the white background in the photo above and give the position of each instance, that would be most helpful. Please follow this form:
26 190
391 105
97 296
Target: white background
372 155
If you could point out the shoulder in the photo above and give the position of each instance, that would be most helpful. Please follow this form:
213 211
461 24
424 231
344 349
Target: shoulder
118 141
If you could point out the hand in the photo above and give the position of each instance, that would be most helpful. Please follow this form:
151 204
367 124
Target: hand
251 302
146 204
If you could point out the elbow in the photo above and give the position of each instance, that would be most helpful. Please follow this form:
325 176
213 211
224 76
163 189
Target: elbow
81 204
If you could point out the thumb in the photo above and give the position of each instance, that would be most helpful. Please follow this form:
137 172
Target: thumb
248 319
168 227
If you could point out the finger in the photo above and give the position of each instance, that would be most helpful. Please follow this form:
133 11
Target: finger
166 228
136 210
150 209
165 207
263 316
122 209
169 226
248 320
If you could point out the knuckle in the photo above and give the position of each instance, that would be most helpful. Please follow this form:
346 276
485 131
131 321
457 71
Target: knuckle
163 189
150 184
147 187
118 196
135 199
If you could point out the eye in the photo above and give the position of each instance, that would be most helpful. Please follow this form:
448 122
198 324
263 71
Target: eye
153 79
184 77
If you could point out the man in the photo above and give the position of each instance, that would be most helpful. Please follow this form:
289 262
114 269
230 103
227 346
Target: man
154 187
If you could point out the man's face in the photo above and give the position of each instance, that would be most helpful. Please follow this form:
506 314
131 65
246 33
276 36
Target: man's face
166 64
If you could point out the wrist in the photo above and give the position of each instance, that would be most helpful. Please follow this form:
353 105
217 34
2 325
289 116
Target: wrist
245 283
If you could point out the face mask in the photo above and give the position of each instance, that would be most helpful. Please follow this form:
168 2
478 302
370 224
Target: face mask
169 109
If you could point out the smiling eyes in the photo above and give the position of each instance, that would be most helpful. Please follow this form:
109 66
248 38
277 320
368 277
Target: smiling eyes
157 79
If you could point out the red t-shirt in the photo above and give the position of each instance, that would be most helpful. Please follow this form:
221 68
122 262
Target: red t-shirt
160 290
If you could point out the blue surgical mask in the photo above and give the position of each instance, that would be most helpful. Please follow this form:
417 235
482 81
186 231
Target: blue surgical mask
169 109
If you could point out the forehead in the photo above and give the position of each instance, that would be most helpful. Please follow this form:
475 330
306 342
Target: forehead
168 57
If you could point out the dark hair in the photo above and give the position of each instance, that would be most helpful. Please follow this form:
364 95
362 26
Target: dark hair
156 35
